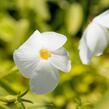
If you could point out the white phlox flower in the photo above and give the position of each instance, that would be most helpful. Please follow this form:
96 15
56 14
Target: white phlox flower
95 38
40 58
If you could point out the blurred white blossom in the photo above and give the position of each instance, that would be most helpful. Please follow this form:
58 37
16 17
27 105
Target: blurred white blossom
95 38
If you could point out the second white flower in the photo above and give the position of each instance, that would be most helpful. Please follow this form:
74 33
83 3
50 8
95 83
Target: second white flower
95 38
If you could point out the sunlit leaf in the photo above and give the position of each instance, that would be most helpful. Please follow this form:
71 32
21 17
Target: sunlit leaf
20 34
74 18
40 6
6 68
7 28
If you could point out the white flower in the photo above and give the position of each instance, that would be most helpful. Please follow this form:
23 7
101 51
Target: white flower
40 58
95 38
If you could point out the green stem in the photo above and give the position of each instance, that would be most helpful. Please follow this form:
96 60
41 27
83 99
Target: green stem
7 87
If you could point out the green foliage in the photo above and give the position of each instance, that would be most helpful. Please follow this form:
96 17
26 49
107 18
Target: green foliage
84 86
74 17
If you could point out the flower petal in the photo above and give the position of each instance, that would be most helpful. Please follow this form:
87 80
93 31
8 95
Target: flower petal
53 40
93 42
45 79
97 38
47 40
33 41
60 60
26 60
84 52
103 19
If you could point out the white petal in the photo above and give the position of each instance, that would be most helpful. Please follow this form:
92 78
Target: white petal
97 38
26 60
47 40
33 41
103 19
53 40
60 60
45 79
84 52
93 42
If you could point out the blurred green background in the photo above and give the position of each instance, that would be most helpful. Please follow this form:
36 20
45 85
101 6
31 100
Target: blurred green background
84 87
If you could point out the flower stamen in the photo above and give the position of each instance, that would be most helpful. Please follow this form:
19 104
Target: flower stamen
45 54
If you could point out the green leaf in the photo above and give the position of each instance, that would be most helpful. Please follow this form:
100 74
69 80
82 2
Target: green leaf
3 106
20 35
40 6
8 99
7 28
74 18
20 105
24 93
104 102
4 84
25 100
6 68
13 106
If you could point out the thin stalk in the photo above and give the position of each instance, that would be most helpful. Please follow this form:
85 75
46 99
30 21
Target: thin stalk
4 84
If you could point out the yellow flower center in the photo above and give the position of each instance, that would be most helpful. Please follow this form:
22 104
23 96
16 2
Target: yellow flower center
45 54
